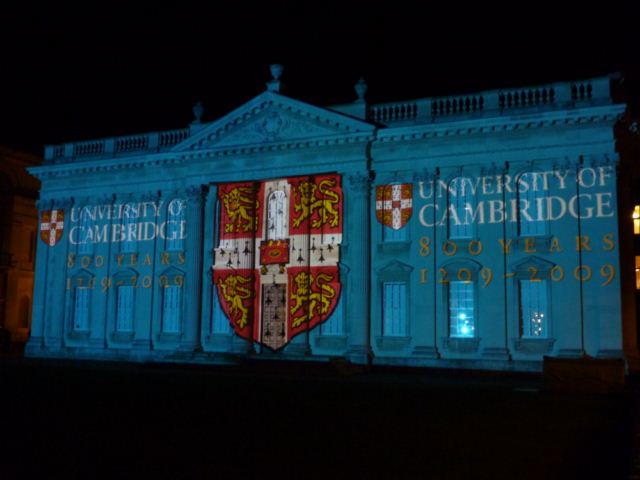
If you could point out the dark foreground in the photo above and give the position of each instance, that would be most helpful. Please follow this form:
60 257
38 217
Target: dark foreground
90 420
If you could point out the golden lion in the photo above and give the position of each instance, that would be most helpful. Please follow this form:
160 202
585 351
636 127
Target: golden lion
309 203
241 204
234 293
319 300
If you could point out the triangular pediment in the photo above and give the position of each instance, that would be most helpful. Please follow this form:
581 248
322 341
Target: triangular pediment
271 118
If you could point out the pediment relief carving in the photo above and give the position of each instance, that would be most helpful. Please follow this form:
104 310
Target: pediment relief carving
272 119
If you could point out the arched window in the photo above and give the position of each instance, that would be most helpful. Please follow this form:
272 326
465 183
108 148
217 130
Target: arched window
175 224
461 206
277 215
531 205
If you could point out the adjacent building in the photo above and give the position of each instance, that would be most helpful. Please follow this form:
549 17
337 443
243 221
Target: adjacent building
19 218
474 231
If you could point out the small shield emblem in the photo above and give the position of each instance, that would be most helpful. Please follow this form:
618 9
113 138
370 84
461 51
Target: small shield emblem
394 204
51 226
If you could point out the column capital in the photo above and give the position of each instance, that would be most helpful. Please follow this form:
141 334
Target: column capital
359 182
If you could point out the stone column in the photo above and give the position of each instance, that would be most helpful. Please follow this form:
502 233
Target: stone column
195 196
357 232
423 308
36 340
206 312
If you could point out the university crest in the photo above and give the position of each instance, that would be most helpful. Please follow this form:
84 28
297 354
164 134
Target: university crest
394 204
276 264
51 226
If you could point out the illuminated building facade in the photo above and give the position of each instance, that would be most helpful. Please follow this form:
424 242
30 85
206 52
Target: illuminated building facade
476 231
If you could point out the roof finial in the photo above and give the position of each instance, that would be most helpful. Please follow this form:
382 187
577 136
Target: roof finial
361 89
276 72
197 110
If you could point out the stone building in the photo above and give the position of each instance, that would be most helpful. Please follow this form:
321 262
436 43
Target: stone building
473 231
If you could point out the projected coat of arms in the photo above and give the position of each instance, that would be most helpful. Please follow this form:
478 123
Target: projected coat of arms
276 263
394 204
51 226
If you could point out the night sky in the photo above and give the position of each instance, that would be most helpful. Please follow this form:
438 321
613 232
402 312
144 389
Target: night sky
76 73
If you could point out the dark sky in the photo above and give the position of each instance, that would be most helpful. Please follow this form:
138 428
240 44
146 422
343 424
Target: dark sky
73 73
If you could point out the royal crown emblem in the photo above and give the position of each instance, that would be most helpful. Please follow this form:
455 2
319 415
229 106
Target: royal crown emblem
276 265
51 226
394 204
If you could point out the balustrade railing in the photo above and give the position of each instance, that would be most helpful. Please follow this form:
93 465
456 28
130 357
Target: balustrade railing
495 102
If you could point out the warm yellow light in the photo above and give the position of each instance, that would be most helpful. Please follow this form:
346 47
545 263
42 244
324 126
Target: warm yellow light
636 220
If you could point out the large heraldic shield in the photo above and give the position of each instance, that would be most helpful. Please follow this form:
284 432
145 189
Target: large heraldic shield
276 264
51 226
394 204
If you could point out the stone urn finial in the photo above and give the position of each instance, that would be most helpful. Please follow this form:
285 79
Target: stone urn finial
276 72
197 110
361 89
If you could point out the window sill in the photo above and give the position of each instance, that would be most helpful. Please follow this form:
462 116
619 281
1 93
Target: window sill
166 337
122 337
79 334
461 345
331 342
392 343
533 345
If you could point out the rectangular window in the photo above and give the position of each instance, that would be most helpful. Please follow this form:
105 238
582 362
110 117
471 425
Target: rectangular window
171 309
461 204
638 273
175 224
531 205
394 309
81 309
636 220
124 317
461 309
533 308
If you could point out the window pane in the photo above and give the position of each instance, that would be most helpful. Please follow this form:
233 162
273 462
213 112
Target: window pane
81 309
171 309
532 204
461 206
533 308
394 308
175 220
461 317
636 220
124 319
